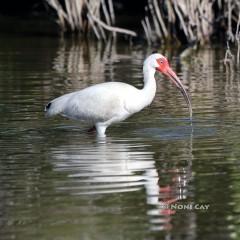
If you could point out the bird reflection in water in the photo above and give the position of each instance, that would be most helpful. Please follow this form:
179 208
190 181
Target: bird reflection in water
115 166
168 186
165 188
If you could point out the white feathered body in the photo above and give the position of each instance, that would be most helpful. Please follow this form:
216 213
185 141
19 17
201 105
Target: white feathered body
106 102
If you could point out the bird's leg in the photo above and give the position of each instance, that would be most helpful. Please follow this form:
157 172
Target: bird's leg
101 128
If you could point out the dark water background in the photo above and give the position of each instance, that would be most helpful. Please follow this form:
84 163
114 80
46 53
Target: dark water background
59 182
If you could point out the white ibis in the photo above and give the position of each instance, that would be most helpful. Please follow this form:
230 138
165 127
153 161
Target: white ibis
106 103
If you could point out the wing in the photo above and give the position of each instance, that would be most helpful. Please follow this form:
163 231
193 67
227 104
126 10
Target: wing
98 103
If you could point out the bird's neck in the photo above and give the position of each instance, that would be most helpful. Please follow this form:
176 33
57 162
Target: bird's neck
149 88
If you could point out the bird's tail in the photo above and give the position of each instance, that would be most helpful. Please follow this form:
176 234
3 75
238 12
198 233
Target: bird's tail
57 105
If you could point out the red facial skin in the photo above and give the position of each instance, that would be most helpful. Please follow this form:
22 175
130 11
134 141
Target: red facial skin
163 65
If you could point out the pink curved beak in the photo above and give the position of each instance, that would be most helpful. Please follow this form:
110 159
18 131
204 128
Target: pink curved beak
174 78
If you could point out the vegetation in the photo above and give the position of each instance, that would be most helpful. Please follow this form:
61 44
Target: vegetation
192 21
82 15
164 20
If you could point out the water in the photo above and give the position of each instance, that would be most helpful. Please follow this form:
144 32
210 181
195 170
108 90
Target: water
59 182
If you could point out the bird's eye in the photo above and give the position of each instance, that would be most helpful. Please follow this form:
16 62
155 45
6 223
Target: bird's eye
161 61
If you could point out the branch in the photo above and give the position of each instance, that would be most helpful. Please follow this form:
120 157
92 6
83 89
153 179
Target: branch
113 29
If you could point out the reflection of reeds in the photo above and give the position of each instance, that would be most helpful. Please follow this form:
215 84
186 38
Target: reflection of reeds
84 61
87 63
229 60
80 15
212 85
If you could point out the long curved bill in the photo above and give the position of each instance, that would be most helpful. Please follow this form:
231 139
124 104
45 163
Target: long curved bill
172 75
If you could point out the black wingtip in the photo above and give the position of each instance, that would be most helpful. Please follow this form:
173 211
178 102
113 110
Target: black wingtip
48 106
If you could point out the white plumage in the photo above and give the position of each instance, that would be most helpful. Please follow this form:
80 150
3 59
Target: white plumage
107 103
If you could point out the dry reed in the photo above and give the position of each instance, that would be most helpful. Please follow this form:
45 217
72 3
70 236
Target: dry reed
82 15
196 19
